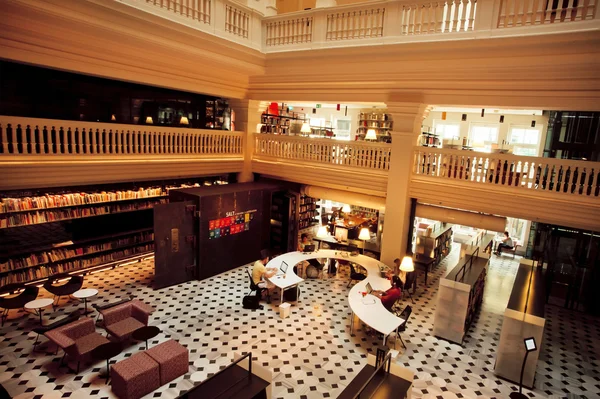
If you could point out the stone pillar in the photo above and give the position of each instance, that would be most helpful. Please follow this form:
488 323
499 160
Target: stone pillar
247 118
407 118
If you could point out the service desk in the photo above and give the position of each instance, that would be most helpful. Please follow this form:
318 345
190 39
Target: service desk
523 318
368 309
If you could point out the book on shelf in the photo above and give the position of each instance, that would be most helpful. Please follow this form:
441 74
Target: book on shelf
74 199
46 216
78 264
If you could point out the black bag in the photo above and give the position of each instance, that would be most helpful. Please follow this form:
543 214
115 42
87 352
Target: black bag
251 302
291 295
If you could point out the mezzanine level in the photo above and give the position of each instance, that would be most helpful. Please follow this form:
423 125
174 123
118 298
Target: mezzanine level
374 22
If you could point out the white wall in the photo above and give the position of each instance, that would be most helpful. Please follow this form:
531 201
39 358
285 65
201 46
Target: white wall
491 118
330 114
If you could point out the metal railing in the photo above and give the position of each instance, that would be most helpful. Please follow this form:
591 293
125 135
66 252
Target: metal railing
387 361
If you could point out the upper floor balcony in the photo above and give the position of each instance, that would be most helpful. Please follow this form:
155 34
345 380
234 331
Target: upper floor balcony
558 191
375 22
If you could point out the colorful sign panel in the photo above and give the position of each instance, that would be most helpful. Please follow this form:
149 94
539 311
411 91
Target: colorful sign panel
233 223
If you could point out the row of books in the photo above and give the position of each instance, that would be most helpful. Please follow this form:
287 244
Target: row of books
74 199
36 217
83 263
61 254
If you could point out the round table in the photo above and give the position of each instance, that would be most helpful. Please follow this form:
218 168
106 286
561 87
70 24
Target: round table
38 306
85 294
145 333
106 352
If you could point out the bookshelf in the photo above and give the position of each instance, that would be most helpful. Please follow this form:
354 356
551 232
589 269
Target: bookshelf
308 212
77 229
380 122
459 297
283 222
437 244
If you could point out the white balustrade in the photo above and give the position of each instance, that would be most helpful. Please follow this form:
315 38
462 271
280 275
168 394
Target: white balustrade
289 31
518 13
32 136
373 156
438 17
581 178
236 21
355 24
198 10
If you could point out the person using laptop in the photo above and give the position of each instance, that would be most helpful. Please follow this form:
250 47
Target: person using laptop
389 297
317 266
260 273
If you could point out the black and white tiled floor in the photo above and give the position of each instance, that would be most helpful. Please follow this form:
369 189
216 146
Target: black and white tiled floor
311 356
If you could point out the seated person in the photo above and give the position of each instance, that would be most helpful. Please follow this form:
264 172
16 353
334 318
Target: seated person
389 297
260 272
395 271
304 241
507 243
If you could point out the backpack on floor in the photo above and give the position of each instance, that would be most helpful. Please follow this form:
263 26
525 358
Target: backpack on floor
251 302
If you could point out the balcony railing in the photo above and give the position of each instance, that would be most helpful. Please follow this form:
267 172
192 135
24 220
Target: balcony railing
36 137
369 156
550 175
381 22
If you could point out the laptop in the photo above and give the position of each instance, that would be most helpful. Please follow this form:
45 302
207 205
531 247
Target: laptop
309 249
283 268
369 288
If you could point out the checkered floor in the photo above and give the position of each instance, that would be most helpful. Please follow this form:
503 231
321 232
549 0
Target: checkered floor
311 356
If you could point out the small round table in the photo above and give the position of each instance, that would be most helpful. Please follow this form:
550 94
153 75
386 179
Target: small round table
38 306
85 294
106 352
145 333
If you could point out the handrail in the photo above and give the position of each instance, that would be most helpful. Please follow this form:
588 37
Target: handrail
387 359
249 354
464 267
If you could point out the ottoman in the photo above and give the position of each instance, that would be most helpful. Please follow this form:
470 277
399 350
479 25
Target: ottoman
135 377
172 358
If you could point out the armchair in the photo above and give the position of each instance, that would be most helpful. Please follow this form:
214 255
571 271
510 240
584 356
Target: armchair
18 301
122 320
77 339
72 285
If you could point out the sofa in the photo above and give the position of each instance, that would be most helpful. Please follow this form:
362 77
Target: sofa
122 320
77 339
146 371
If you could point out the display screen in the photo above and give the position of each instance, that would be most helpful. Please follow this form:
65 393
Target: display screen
530 344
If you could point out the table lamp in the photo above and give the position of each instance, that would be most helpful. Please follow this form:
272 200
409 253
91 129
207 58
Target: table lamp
364 235
371 135
322 232
407 264
184 121
149 120
305 129
346 209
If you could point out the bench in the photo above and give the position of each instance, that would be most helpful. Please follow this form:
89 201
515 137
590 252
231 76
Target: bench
146 371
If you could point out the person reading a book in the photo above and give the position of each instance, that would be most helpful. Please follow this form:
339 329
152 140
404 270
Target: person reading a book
389 297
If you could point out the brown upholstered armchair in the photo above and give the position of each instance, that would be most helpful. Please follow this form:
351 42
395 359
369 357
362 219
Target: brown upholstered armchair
122 320
77 339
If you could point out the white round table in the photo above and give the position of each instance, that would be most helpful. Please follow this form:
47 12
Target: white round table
38 306
369 309
85 294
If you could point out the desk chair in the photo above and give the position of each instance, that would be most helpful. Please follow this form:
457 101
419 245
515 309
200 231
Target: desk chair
354 275
411 282
254 287
404 315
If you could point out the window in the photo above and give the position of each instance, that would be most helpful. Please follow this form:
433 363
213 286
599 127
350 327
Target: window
447 130
342 129
484 134
525 140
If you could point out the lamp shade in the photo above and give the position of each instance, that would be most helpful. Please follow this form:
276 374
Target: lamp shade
364 234
346 209
184 121
407 264
149 120
322 232
305 128
371 135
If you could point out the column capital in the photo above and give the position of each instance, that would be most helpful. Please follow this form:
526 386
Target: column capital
407 117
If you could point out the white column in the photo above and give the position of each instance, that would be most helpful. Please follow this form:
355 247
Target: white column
407 118
247 117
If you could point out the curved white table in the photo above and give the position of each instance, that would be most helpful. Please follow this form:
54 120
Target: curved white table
369 309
